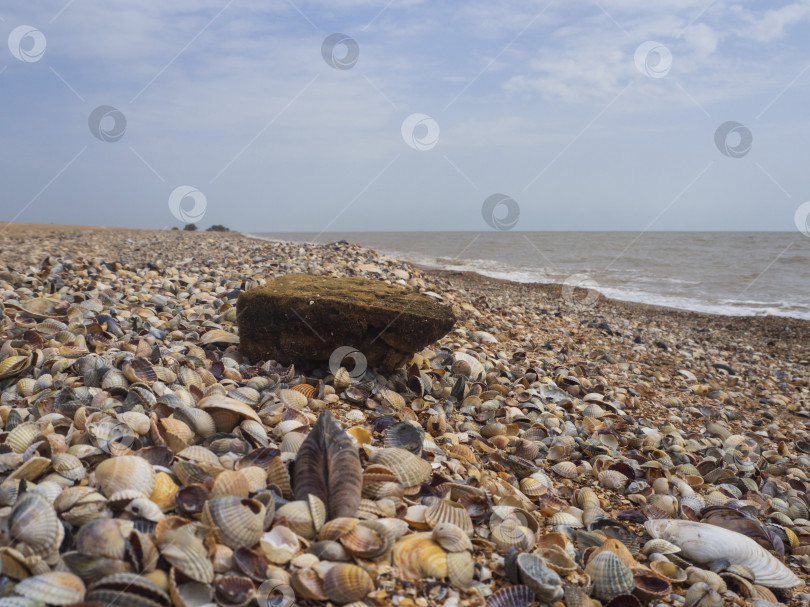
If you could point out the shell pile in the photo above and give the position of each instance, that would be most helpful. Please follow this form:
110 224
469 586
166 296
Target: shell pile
525 457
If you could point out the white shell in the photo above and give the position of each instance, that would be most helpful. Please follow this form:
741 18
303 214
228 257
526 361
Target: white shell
703 544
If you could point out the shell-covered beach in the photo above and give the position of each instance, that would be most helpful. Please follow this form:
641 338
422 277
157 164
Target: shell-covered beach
553 447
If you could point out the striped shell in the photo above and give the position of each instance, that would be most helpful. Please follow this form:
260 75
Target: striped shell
345 583
609 576
446 511
235 521
55 588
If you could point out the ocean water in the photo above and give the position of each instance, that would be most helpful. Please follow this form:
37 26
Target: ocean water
734 273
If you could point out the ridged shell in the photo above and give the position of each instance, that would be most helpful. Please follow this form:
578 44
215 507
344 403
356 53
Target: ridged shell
227 412
460 568
704 544
230 482
544 582
410 469
417 556
451 537
198 420
55 588
446 511
34 522
404 435
235 521
125 472
566 469
345 583
511 596
609 576
298 517
127 589
185 551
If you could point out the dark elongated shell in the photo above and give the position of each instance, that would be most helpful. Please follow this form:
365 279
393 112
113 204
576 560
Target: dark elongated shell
328 466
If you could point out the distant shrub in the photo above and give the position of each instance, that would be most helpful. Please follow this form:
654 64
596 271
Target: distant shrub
190 227
175 228
218 228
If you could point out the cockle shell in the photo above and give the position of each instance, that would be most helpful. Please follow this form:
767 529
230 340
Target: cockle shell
417 556
704 544
55 588
345 583
125 472
609 576
235 521
33 521
185 551
544 582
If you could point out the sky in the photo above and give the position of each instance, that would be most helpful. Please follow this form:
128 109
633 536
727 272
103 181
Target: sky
377 115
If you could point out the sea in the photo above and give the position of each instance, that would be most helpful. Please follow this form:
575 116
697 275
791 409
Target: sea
731 273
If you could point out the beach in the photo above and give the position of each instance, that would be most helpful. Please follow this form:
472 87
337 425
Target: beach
644 391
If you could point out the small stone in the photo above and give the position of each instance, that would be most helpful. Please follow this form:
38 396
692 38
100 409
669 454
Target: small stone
303 319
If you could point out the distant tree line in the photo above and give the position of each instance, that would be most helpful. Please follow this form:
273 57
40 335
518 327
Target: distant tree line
190 227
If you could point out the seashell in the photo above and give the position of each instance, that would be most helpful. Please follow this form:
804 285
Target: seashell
566 469
233 590
669 570
460 568
294 399
368 540
68 466
446 511
404 435
410 469
345 583
609 576
13 365
307 390
557 559
328 466
125 472
511 596
230 482
127 589
701 595
143 507
613 479
186 552
297 516
235 521
660 546
22 436
451 537
704 544
650 586
200 422
34 522
54 588
227 412
278 476
279 545
565 519
417 556
543 581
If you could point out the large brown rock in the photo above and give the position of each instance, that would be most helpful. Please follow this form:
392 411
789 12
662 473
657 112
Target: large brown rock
302 319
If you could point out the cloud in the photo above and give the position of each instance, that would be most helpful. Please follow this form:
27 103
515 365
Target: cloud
772 24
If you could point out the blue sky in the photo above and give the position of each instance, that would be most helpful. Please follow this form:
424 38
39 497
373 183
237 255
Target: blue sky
540 101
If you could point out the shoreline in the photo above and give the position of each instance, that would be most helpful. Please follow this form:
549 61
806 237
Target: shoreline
540 384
